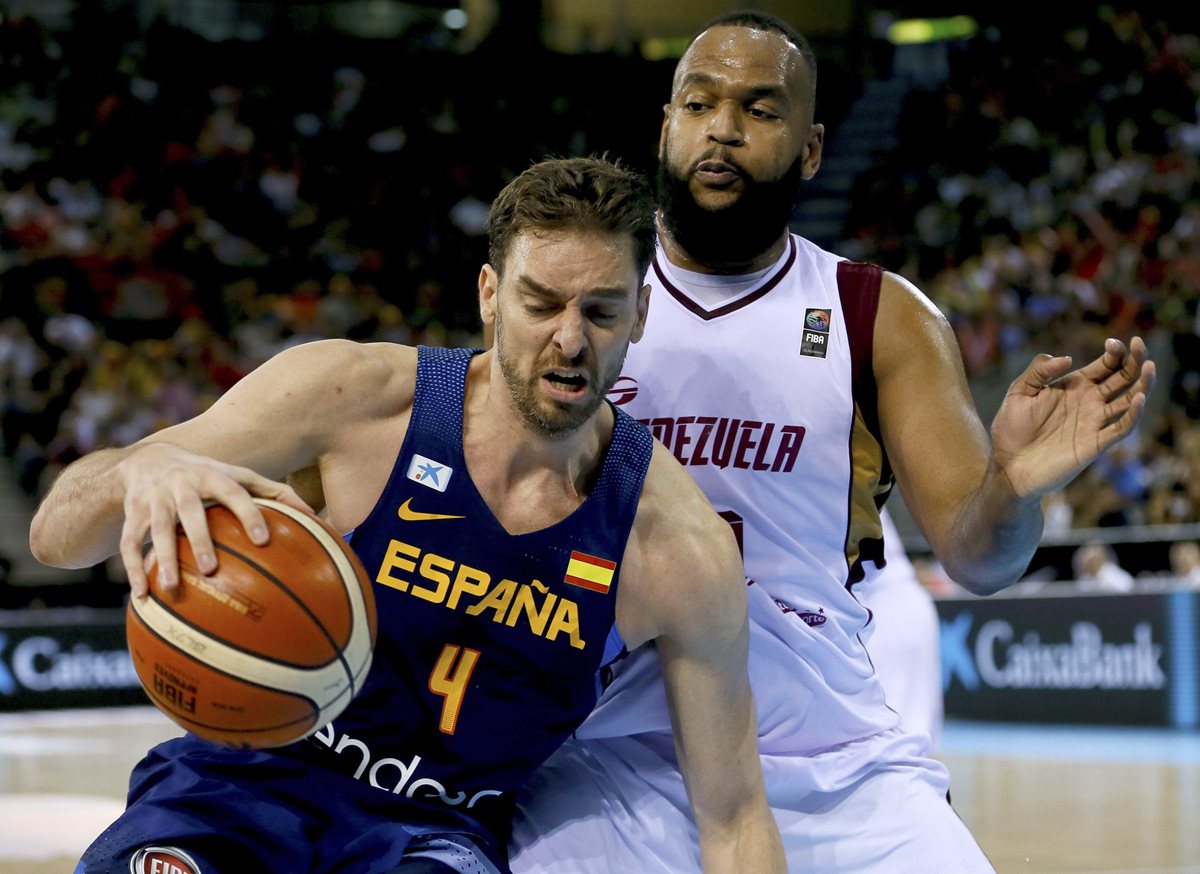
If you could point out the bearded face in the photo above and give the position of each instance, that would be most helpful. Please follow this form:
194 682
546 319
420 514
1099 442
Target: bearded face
736 232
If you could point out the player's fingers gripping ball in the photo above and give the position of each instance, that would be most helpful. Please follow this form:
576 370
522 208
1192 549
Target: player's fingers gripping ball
270 647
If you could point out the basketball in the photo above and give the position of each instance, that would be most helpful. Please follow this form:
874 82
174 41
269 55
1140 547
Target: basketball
267 649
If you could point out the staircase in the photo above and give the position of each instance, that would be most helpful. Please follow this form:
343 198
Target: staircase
869 128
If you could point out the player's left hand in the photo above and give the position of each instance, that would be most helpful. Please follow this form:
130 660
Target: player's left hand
1055 421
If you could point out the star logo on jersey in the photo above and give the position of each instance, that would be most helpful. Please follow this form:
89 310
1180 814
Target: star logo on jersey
429 473
405 512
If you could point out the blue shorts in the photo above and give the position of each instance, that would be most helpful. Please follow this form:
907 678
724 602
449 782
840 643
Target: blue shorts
217 811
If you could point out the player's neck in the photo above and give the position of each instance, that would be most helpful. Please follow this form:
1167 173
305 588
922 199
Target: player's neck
685 260
497 437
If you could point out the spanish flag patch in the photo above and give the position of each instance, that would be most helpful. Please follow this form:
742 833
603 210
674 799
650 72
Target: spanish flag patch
589 572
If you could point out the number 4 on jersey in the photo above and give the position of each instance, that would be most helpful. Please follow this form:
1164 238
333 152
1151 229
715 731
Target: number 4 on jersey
449 679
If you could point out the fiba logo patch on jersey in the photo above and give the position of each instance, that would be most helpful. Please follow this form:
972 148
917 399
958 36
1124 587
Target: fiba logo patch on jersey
623 391
429 473
162 860
815 342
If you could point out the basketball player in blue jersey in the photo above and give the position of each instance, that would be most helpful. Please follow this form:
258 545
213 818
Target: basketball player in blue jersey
520 533
796 387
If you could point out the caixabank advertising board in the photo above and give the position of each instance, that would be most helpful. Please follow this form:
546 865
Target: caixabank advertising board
1082 658
56 658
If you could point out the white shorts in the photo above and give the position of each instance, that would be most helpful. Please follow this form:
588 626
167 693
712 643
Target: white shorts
619 807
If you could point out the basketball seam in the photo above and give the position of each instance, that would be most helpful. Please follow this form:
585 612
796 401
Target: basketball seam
317 707
337 555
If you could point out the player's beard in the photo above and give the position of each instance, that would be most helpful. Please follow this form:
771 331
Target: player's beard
539 413
736 234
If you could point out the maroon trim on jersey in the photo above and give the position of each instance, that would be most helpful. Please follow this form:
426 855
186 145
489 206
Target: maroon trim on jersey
732 306
858 288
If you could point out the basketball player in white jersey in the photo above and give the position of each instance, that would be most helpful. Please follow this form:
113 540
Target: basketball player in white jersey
793 385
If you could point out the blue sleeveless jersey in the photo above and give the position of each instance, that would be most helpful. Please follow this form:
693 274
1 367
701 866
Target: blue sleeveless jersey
489 644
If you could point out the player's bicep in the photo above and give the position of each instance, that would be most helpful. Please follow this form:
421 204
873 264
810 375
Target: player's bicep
937 445
275 420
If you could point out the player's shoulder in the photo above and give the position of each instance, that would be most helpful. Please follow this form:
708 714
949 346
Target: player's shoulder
350 354
909 326
901 299
347 372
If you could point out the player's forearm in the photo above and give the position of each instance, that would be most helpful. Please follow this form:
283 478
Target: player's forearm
737 829
753 844
79 522
993 537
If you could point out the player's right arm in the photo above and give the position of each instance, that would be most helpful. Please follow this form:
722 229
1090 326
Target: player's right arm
683 586
278 419
978 497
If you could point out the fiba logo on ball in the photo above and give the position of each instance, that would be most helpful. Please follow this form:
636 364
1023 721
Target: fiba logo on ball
162 860
267 649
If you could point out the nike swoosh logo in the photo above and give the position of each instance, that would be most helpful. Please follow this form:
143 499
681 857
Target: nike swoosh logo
417 516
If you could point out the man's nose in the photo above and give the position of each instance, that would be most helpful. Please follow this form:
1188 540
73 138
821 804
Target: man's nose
725 125
570 335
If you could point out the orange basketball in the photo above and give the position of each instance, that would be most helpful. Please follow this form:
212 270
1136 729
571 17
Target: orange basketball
270 647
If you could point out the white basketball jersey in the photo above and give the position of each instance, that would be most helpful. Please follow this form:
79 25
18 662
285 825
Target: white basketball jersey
767 398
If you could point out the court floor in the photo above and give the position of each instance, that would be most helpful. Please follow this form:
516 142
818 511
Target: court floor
1040 799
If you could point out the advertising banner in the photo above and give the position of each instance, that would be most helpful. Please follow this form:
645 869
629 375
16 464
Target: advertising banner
1101 659
51 659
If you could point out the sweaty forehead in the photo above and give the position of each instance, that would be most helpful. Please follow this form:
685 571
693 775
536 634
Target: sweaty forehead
743 56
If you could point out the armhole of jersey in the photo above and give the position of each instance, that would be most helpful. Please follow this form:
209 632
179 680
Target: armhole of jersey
859 287
626 464
439 394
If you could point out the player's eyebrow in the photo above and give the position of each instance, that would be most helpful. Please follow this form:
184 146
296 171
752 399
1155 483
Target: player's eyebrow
707 80
532 286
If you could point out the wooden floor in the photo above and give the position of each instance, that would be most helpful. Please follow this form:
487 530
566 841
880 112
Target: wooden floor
1041 800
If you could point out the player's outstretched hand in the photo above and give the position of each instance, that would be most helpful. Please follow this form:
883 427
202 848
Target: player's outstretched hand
1055 421
165 485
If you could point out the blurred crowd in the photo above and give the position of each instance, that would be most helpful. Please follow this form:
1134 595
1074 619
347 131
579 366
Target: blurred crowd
1046 195
174 212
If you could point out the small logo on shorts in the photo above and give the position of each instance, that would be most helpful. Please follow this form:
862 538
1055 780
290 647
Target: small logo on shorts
815 340
162 860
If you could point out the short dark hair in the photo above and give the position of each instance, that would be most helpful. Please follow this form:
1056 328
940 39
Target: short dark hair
755 20
594 193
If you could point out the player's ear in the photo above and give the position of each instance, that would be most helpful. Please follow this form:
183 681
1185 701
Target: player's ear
662 134
811 153
643 309
489 284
